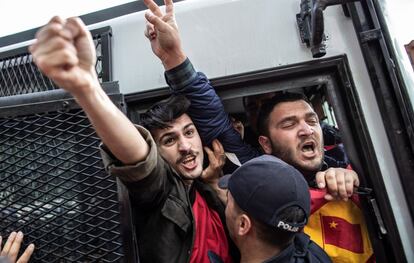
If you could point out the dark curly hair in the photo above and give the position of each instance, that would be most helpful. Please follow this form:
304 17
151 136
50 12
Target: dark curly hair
269 104
162 113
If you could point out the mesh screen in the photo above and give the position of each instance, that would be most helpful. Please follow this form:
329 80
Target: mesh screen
19 75
53 187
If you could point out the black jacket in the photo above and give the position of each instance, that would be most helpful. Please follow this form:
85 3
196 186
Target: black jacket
302 250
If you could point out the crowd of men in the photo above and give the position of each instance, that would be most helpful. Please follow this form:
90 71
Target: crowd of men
184 212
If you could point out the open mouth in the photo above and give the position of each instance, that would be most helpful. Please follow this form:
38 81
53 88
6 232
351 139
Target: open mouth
308 148
189 162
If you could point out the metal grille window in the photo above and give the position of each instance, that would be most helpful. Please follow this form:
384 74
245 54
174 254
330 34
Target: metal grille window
53 185
19 75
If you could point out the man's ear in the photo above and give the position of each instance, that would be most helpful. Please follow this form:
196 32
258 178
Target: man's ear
245 225
266 144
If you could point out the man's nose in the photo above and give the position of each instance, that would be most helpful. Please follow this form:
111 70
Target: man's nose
306 129
184 146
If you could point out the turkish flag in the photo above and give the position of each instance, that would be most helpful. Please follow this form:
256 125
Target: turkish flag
335 229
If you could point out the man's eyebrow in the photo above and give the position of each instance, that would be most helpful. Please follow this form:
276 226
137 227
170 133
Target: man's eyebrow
173 133
188 125
165 135
293 117
311 114
288 118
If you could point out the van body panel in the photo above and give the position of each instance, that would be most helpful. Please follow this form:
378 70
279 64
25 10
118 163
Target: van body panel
229 37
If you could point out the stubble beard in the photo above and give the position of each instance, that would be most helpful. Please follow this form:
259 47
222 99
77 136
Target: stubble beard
288 156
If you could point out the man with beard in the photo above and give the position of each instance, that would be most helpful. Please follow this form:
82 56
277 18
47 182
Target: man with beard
175 212
289 129
267 207
206 109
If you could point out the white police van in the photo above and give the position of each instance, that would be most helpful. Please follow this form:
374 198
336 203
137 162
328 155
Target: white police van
342 53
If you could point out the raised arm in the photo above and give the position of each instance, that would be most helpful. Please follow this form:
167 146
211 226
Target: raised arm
206 110
162 31
64 52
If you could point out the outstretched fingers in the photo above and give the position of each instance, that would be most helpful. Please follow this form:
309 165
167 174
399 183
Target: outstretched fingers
169 7
24 258
12 247
8 244
158 23
155 9
15 247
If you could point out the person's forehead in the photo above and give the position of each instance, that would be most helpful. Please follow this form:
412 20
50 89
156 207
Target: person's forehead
176 126
292 108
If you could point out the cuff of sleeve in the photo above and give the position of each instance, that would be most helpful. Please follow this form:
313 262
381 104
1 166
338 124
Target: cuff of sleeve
135 172
181 76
